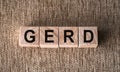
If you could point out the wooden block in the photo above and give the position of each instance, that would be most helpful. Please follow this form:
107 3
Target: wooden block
88 37
68 37
29 37
49 37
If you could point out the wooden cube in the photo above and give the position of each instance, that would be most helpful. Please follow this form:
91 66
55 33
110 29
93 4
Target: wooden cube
88 37
68 37
29 37
49 37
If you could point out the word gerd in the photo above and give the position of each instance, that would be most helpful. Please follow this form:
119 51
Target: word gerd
54 37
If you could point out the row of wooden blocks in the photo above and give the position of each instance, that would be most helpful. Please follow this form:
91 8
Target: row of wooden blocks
54 37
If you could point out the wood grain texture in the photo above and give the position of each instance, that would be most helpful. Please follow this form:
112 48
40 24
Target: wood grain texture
88 36
105 14
72 40
31 34
49 34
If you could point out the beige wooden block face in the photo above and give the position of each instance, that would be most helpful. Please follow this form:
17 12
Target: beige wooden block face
49 37
88 37
66 38
29 37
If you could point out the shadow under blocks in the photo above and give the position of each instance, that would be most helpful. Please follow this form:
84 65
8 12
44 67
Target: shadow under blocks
58 37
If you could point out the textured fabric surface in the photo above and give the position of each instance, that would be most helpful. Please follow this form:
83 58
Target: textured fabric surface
105 14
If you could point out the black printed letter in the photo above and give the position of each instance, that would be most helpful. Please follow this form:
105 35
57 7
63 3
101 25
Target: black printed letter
85 32
46 36
32 37
68 36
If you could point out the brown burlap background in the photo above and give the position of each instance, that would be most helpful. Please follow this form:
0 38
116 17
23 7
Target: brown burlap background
102 13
